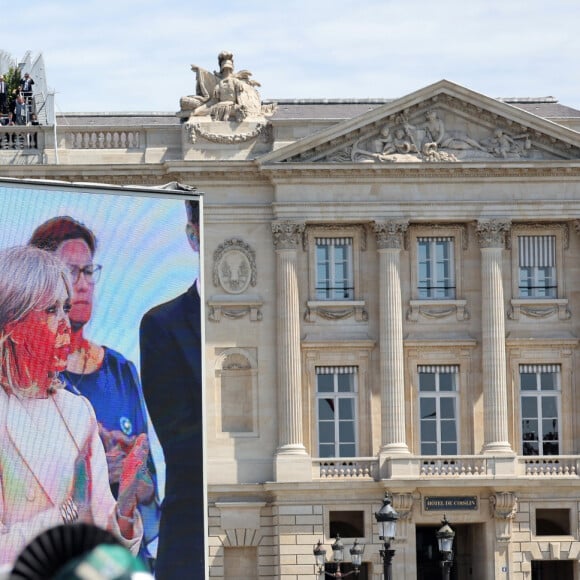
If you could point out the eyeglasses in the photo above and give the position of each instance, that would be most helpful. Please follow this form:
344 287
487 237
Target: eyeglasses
92 273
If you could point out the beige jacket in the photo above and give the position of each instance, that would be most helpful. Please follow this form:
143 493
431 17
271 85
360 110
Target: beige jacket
40 440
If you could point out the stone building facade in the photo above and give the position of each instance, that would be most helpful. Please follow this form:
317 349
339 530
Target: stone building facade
392 305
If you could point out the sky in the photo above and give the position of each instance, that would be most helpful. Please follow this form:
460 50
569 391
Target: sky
135 55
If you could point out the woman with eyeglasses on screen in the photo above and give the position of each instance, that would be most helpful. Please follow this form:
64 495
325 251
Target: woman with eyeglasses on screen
53 468
99 373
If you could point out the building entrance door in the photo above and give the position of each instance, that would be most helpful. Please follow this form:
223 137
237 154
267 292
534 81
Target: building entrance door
464 565
550 569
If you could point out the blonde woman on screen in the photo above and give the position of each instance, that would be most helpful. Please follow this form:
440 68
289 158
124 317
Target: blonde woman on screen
52 463
99 373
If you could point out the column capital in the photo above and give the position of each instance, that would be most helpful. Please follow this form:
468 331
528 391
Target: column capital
287 235
491 233
390 234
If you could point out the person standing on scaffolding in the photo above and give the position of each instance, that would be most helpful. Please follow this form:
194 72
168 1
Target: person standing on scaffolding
26 83
3 96
21 111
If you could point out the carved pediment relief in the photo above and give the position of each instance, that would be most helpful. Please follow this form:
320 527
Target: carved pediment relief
441 123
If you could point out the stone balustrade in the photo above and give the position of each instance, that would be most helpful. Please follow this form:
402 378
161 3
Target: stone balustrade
447 467
551 465
121 138
21 138
35 144
346 468
455 466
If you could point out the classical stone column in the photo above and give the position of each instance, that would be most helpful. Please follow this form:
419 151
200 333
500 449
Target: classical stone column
292 462
389 237
491 234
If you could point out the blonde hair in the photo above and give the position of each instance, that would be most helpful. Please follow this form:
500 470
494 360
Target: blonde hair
29 281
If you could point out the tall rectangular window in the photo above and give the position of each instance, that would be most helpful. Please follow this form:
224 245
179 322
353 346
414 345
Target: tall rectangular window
540 409
438 400
435 276
336 406
334 269
537 267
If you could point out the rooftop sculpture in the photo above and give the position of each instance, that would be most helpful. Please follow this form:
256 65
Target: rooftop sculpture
225 95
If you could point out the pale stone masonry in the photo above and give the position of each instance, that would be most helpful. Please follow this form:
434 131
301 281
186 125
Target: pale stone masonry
392 294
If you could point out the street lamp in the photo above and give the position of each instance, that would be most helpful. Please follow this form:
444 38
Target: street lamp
356 553
445 536
387 520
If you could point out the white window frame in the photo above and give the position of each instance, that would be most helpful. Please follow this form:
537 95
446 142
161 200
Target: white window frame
438 395
334 289
553 351
555 238
336 372
331 310
421 308
537 255
347 352
445 352
538 394
434 291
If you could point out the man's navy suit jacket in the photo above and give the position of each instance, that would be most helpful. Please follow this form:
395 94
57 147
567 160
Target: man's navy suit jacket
171 343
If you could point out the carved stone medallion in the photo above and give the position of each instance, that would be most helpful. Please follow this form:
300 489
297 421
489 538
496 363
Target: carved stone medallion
234 266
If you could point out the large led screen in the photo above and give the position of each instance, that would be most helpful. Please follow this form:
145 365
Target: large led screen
100 369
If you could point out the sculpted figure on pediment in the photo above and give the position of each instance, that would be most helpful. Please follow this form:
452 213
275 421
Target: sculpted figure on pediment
435 133
401 143
223 95
507 146
431 153
429 140
400 140
391 145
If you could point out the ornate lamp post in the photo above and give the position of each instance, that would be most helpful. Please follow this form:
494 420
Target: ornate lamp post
387 521
445 536
356 553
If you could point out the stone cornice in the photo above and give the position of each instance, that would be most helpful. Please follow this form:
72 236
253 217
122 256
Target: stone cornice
442 171
227 172
142 174
442 343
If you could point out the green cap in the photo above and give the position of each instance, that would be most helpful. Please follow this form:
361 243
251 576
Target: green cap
105 562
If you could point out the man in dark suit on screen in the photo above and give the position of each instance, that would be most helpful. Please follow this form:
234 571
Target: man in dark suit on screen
171 343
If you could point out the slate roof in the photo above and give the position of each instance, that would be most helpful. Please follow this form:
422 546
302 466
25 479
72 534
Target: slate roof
116 119
304 110
340 109
547 110
323 109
